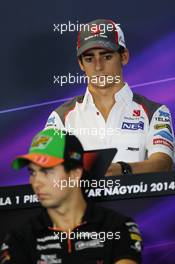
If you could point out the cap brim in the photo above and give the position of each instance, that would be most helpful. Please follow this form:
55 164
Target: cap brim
97 44
42 160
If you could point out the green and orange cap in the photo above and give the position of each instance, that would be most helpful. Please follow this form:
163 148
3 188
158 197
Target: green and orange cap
51 147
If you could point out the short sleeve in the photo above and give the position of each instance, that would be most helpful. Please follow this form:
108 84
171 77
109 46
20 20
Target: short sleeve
161 136
130 244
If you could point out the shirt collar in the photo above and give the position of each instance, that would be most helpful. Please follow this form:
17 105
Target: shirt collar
92 214
125 95
87 100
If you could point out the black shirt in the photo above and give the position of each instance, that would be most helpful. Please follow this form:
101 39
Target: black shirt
103 237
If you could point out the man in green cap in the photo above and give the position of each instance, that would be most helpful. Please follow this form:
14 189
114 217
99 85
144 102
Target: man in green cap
69 229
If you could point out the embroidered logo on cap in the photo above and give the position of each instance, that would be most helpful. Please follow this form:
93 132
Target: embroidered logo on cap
41 141
95 29
75 155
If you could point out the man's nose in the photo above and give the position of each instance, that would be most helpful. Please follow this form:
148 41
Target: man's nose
98 64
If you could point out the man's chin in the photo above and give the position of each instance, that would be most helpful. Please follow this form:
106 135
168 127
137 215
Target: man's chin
49 205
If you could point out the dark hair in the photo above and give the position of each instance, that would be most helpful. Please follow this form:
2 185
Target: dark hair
71 165
68 166
80 58
121 50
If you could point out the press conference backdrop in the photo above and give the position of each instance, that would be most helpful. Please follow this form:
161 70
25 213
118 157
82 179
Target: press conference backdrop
32 53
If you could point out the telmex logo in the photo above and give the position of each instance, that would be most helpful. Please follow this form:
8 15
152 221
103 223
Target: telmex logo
162 113
133 126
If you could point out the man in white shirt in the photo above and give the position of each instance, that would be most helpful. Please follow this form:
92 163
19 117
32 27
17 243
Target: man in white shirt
109 114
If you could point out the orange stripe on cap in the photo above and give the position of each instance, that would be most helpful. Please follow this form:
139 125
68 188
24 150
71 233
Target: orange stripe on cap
42 160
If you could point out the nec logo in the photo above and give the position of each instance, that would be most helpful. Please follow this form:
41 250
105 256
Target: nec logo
133 126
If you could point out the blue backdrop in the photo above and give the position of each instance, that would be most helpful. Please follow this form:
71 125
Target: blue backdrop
32 53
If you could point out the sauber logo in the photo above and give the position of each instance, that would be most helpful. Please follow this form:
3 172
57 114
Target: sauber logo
95 29
136 112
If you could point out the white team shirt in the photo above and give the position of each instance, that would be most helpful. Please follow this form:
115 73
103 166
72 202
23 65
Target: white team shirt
127 128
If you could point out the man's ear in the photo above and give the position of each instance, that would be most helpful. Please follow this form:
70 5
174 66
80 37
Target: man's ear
125 57
81 64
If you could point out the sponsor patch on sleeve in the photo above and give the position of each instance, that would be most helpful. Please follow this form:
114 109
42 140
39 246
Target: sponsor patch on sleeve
165 134
161 141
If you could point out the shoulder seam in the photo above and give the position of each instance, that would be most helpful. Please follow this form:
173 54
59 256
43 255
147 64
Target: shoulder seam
64 109
149 106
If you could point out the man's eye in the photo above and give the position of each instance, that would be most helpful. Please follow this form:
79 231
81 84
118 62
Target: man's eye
46 171
31 173
88 59
108 57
